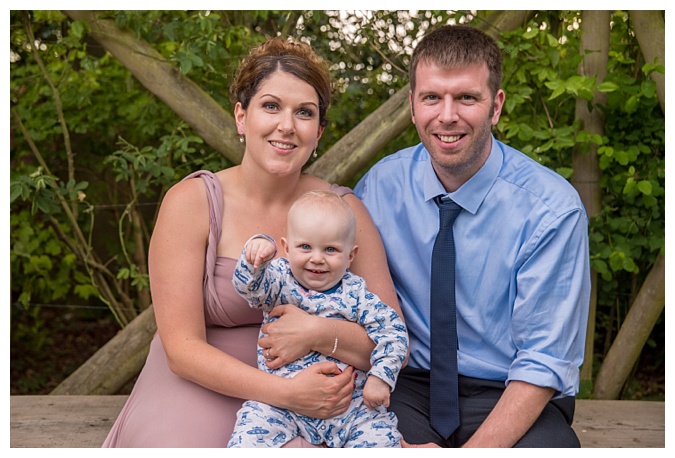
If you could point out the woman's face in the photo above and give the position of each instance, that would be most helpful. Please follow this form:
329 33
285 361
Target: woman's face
281 123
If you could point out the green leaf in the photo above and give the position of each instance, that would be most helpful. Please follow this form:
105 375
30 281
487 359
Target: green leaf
16 189
583 136
78 28
606 150
525 132
616 261
53 247
554 84
531 34
648 88
85 291
631 104
630 186
649 68
566 172
629 265
82 185
645 187
546 146
597 139
185 65
649 201
599 266
608 86
196 60
554 57
123 273
622 157
558 92
24 298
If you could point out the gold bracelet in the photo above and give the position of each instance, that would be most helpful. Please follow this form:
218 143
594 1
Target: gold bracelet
335 344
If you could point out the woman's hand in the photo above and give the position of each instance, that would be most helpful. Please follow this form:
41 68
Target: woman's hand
320 391
296 333
289 337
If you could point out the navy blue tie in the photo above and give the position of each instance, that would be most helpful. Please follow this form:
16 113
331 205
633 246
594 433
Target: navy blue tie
444 404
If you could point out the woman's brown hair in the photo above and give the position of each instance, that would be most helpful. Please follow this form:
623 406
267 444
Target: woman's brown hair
294 57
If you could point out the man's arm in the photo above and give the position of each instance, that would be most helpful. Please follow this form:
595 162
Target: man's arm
517 410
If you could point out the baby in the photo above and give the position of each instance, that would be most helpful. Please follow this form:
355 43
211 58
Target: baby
319 248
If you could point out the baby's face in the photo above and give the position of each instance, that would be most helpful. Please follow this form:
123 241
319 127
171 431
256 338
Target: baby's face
318 249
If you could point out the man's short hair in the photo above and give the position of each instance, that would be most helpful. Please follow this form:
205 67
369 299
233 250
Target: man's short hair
459 46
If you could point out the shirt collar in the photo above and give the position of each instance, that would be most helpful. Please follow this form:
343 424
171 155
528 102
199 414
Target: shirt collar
472 193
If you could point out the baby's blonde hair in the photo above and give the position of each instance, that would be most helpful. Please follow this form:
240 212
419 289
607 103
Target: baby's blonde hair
330 202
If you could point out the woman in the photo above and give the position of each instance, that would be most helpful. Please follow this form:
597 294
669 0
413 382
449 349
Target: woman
202 361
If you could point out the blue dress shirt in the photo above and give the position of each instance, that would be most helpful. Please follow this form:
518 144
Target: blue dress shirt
522 263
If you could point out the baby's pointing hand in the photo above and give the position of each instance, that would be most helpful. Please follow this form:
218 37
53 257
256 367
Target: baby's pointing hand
259 250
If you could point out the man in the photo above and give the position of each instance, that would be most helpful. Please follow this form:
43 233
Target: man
522 282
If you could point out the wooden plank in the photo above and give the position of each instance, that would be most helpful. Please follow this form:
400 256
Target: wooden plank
62 421
625 424
84 421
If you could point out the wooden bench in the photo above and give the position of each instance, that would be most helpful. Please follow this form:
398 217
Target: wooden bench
84 421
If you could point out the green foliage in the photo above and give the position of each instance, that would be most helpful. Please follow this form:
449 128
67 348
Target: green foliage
107 113
39 259
541 85
630 231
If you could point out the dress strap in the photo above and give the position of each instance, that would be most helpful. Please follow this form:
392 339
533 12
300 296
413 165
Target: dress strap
214 194
341 190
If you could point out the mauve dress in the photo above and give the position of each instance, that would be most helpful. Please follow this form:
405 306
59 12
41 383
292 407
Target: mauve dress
165 410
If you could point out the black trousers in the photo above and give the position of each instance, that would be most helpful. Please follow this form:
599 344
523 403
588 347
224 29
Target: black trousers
477 398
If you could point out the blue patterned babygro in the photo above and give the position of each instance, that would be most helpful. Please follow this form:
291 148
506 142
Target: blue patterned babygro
262 425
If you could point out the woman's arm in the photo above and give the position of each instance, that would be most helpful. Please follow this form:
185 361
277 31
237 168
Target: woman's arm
176 266
176 263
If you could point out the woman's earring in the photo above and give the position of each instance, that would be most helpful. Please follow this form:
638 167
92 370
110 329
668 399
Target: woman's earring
314 155
242 139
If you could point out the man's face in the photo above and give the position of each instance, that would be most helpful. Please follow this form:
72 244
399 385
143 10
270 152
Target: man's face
454 112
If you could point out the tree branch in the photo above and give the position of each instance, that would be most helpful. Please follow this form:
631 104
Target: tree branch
208 119
57 102
636 328
650 31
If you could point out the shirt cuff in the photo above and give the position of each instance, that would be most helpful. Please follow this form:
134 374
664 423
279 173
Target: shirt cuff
545 371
